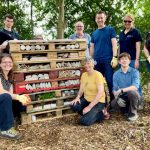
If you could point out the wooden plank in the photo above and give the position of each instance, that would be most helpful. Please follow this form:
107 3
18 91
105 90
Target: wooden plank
49 119
74 88
60 102
16 57
45 70
14 47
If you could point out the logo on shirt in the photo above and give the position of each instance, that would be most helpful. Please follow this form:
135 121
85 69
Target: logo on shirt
129 36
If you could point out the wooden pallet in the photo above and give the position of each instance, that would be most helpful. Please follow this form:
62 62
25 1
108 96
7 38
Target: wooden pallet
45 115
48 75
42 55
36 66
20 88
41 45
49 104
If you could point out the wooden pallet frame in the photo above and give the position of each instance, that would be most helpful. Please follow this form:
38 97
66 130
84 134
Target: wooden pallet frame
58 113
52 50
48 55
58 101
15 45
52 63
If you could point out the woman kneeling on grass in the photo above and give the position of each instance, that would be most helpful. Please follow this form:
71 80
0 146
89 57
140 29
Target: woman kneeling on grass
6 96
92 106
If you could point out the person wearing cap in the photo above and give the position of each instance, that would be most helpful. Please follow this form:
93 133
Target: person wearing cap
92 105
126 82
80 34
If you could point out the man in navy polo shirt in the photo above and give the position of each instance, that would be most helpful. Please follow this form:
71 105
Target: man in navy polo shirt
79 34
126 83
104 49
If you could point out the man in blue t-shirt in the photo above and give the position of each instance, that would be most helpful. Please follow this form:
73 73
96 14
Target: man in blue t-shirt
80 34
104 49
8 24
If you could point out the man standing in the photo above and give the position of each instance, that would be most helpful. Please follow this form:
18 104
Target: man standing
126 90
104 49
79 34
8 24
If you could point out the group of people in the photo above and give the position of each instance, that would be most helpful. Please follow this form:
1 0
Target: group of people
101 59
103 55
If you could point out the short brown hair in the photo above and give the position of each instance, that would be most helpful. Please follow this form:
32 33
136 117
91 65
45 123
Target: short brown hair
124 55
101 12
8 16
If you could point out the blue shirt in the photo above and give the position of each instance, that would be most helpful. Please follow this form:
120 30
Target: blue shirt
101 38
128 42
88 41
124 80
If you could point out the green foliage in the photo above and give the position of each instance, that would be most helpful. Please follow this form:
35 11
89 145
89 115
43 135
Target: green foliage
83 10
44 96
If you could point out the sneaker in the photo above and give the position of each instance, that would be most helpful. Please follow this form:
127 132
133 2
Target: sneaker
10 134
141 104
106 114
133 118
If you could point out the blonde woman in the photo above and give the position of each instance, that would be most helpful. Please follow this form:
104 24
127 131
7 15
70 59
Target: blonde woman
130 40
92 105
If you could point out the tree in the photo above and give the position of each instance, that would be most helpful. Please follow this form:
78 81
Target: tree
60 26
83 10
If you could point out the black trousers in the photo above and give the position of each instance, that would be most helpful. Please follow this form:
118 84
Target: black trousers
132 100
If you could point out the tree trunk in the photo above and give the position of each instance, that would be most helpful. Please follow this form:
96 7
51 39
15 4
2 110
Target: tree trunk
31 19
60 27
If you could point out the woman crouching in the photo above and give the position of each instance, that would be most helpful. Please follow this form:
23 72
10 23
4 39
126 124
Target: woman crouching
6 96
92 105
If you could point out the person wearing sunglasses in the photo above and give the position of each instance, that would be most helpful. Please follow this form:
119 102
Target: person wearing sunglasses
80 34
7 97
130 40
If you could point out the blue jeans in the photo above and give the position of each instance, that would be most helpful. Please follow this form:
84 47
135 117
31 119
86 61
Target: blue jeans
107 71
6 114
94 115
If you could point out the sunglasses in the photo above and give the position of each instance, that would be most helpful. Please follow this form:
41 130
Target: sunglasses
125 21
79 26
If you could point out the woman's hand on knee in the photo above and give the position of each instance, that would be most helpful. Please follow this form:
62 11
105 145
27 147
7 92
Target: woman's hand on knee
75 101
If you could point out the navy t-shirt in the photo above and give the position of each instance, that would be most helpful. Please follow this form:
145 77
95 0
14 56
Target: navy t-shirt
128 42
101 38
12 34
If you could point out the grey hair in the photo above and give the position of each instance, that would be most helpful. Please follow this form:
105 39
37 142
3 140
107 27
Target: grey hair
89 59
